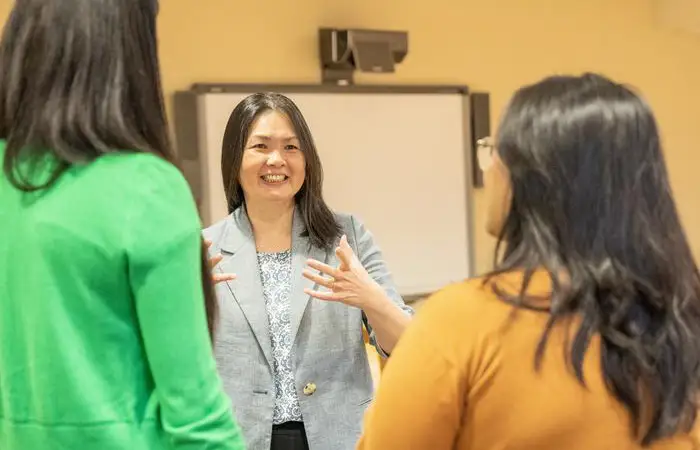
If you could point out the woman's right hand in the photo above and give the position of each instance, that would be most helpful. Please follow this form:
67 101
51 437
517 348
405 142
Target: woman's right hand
213 261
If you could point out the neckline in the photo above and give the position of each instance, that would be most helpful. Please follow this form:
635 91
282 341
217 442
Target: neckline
282 252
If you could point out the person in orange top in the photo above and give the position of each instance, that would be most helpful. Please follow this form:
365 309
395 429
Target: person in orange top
586 336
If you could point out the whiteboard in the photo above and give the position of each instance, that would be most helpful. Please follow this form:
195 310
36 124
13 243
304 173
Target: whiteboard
398 161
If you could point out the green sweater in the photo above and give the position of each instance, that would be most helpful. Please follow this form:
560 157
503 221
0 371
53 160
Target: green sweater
103 336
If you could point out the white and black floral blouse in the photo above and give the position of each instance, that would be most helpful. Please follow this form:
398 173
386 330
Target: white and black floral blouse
276 275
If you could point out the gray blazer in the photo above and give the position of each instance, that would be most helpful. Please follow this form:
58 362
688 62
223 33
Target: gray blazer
330 356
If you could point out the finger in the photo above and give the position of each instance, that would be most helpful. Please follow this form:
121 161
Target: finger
327 296
207 242
321 281
344 242
324 268
345 258
223 277
216 259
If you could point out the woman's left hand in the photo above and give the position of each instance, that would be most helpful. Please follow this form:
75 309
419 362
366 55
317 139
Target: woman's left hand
349 283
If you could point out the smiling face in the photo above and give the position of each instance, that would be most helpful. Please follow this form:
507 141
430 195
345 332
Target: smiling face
273 164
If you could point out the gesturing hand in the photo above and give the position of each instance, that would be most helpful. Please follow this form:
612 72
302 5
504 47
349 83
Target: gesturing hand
213 261
349 283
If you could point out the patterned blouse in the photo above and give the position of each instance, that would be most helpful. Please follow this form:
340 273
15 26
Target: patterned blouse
276 276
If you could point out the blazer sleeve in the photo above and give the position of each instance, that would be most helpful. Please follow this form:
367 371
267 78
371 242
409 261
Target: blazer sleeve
371 258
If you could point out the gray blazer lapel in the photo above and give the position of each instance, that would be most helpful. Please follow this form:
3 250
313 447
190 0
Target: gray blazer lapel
301 251
240 258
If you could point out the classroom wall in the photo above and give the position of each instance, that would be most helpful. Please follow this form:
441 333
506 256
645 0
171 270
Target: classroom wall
492 45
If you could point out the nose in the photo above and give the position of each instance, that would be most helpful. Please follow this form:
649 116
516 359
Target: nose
275 159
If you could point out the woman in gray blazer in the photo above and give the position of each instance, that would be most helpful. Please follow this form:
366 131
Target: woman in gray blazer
289 342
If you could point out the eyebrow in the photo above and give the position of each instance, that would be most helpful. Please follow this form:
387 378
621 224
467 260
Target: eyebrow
268 138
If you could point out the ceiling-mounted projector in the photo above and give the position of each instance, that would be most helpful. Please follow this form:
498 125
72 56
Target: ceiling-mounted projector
343 51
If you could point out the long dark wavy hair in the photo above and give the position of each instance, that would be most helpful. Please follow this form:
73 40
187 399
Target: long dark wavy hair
319 221
80 79
592 205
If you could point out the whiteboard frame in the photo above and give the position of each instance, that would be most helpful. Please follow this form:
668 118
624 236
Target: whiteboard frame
189 139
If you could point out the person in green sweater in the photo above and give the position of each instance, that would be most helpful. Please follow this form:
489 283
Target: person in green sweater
103 277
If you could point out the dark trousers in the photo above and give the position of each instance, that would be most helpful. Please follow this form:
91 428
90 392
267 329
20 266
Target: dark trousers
289 436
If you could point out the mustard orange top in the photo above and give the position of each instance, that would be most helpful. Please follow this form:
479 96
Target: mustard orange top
463 377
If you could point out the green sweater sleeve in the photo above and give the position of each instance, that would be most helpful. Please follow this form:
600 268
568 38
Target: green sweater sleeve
165 274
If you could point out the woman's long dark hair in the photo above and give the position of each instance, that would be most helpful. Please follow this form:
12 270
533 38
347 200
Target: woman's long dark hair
319 221
592 205
79 79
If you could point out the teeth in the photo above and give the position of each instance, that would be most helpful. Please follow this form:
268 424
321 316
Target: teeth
273 178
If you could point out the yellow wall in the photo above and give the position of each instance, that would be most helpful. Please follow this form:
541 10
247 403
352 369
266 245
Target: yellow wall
493 45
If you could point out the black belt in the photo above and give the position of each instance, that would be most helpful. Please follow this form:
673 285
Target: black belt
292 426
